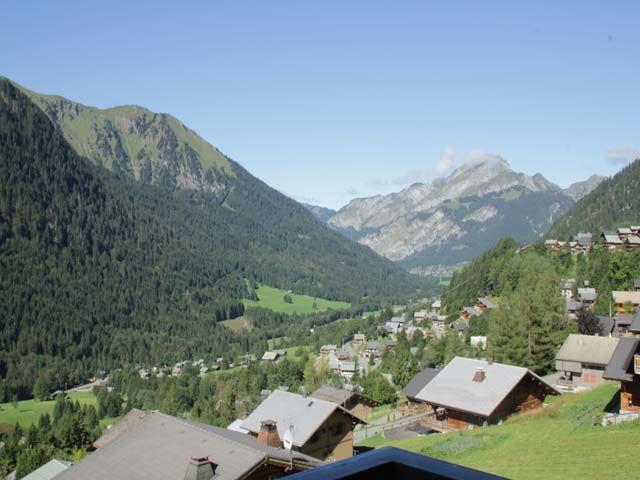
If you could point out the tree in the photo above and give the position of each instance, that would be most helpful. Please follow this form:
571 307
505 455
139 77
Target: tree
31 458
588 323
287 298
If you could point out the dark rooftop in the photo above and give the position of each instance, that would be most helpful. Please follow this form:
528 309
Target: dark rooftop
619 367
390 462
419 381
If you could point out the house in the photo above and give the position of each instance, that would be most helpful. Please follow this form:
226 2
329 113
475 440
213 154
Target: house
573 308
389 344
270 357
315 427
622 322
163 447
468 393
373 348
567 288
420 315
342 354
49 470
436 305
468 312
624 233
358 404
359 339
483 304
583 358
624 367
632 242
611 241
347 370
621 298
411 390
587 296
392 463
552 244
584 241
478 341
461 325
327 349
607 325
393 327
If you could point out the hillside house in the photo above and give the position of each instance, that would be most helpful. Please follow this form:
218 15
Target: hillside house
582 359
611 241
483 304
389 344
468 312
587 296
624 367
573 308
325 350
359 339
622 298
273 356
478 341
461 326
411 390
624 233
552 244
436 305
631 243
163 447
358 404
347 370
567 288
342 354
317 428
420 315
374 349
584 242
468 393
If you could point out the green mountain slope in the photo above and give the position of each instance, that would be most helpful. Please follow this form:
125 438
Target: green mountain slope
99 270
614 202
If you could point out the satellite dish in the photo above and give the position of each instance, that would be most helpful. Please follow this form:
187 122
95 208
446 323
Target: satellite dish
288 438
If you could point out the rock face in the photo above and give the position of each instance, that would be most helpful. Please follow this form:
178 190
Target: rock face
453 219
582 189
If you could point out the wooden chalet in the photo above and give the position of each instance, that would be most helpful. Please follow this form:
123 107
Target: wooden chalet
582 359
623 298
358 404
624 367
469 393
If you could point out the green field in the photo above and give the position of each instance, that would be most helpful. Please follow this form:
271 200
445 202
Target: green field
559 442
28 411
273 299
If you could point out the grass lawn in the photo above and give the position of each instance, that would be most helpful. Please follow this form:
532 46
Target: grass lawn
559 442
239 324
273 299
29 411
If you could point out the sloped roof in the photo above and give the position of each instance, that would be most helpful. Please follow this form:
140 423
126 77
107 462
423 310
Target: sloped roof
608 238
486 302
160 446
454 387
332 394
305 414
619 365
419 381
624 296
131 419
635 324
49 470
587 349
587 294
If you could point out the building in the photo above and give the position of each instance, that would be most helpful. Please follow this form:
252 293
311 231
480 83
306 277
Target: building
611 241
347 369
624 367
163 447
358 404
587 296
392 463
49 470
573 308
478 341
374 349
327 349
420 315
483 304
621 298
584 242
359 339
411 390
468 312
468 393
583 358
318 428
568 285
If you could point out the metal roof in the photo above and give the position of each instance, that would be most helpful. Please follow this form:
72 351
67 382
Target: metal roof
332 394
587 294
624 297
587 349
160 446
418 382
49 470
635 324
454 387
304 414
612 238
620 363
486 302
392 462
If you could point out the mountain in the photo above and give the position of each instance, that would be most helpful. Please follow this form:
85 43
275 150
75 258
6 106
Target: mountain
614 202
580 189
100 270
321 213
454 219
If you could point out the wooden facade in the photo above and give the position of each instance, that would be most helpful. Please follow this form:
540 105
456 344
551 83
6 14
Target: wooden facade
630 396
333 440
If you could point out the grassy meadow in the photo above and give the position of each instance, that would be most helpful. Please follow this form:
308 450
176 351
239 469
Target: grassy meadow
273 299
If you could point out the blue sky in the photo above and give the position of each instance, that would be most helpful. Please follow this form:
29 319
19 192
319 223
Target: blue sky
331 100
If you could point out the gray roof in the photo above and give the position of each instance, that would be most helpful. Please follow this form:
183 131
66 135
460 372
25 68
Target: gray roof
419 381
587 349
49 470
635 324
606 325
612 238
305 414
633 240
454 387
587 294
573 305
160 446
625 319
620 363
625 296
397 319
336 395
486 302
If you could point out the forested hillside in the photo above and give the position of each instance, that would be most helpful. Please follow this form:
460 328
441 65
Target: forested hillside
98 270
614 202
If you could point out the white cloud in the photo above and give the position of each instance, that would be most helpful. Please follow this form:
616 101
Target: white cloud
622 155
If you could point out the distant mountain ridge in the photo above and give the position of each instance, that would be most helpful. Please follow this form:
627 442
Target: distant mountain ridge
454 219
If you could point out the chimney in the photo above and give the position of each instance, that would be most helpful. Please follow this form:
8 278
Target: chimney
200 468
479 375
269 434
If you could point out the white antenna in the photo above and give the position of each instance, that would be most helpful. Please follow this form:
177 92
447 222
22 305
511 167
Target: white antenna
288 438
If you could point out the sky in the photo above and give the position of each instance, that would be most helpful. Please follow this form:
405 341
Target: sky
332 100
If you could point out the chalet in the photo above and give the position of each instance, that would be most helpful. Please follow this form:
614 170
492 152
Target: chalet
582 359
436 305
273 356
314 427
468 312
49 470
587 296
469 393
611 241
631 243
461 325
624 367
411 390
347 370
389 344
373 348
552 244
359 339
621 298
342 354
360 405
438 321
395 325
327 349
395 463
567 288
624 233
483 304
573 308
420 315
584 242
635 229
622 322
163 447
